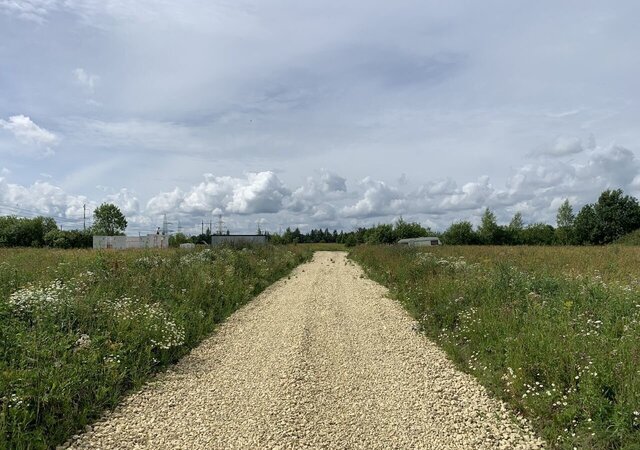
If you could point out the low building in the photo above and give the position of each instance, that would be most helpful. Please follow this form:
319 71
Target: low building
188 245
420 242
238 239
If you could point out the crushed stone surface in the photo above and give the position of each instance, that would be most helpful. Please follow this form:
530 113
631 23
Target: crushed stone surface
322 360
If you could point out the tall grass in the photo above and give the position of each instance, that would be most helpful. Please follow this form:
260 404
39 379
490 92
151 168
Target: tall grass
79 329
555 332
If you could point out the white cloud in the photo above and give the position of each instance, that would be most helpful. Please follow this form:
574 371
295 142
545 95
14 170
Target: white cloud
87 80
33 10
566 146
379 199
536 190
41 198
165 202
29 134
125 200
261 192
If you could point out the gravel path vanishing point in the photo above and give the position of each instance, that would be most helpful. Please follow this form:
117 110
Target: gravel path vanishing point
320 360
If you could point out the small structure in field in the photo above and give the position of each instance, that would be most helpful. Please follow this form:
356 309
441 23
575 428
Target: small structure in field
125 242
238 239
420 242
188 245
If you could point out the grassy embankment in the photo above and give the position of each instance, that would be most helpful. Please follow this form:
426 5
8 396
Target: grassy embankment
555 332
79 329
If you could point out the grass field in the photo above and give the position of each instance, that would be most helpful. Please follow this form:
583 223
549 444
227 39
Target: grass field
78 329
553 331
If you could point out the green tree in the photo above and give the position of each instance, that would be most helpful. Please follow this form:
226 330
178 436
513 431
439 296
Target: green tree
488 230
616 215
407 230
514 230
584 225
177 239
565 221
108 220
460 233
538 234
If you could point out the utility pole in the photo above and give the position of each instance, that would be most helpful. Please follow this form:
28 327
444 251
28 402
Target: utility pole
202 231
220 223
84 217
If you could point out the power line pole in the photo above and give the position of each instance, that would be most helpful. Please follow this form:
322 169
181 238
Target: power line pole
84 217
220 223
202 231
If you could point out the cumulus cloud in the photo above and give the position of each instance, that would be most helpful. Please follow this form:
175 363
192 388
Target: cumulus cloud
564 146
85 79
126 200
534 189
260 192
41 198
29 134
379 199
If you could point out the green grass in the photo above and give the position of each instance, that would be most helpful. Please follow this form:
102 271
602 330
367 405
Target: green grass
555 332
79 329
326 247
632 238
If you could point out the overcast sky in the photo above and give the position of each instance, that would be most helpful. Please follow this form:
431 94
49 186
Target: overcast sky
316 114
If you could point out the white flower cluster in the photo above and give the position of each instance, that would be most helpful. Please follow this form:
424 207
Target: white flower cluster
148 262
200 257
50 299
32 300
159 323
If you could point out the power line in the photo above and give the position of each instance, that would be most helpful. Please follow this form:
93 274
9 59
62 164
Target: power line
16 210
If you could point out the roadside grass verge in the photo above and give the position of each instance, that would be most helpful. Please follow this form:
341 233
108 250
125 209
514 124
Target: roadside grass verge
79 329
554 332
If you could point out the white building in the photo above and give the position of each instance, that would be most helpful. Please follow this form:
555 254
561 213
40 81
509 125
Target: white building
420 242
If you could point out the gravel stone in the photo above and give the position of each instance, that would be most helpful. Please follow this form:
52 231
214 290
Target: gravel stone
322 360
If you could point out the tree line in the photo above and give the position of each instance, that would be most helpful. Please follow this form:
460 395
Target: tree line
44 231
612 216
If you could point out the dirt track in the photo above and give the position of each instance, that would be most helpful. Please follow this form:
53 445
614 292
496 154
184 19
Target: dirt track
322 360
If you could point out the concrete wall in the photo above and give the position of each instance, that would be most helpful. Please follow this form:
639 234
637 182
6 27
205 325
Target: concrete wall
124 242
420 242
115 242
238 239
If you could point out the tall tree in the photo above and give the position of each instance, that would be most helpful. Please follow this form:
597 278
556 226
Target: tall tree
488 229
565 220
565 216
514 230
108 220
584 225
617 214
460 233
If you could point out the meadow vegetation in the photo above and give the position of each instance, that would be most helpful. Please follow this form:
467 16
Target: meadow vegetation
79 329
554 332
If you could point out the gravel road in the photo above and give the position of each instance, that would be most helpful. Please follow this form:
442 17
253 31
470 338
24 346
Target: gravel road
320 360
